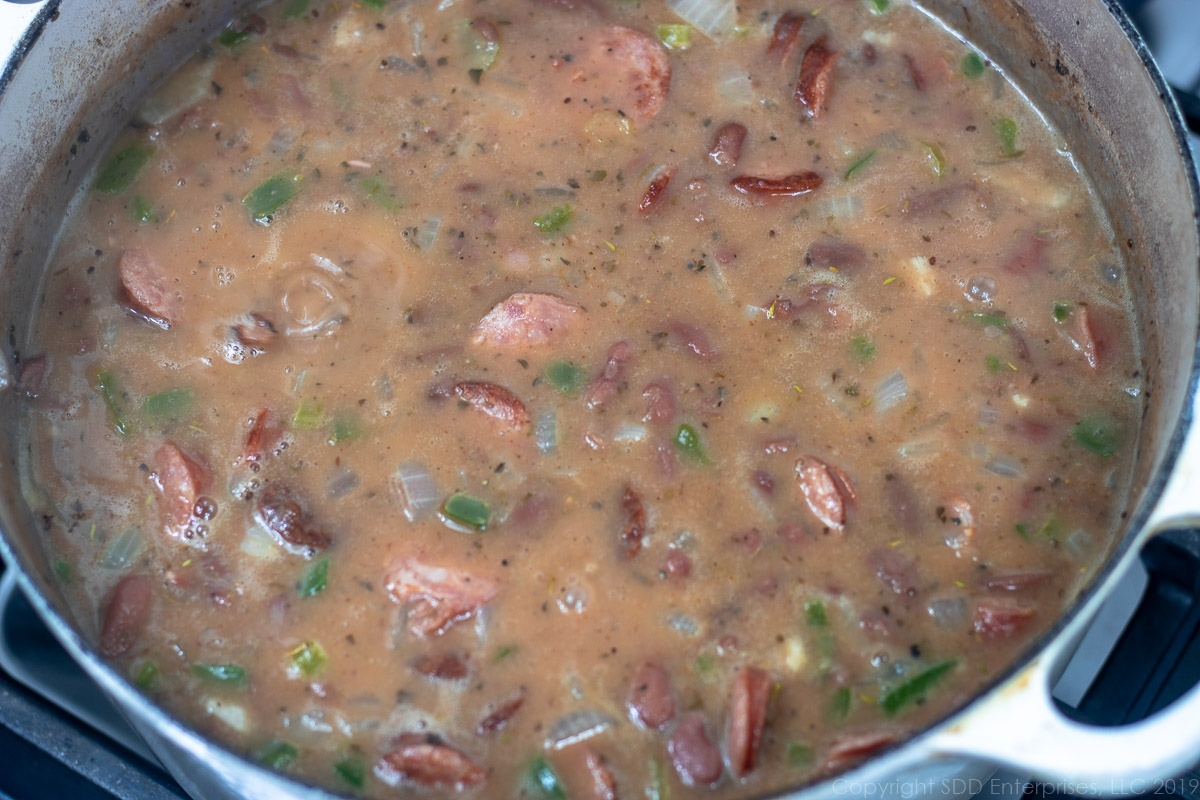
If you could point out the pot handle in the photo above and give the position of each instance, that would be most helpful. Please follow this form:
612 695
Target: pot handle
1019 725
15 21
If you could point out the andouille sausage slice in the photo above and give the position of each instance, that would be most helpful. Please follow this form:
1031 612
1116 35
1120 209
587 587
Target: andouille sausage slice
146 289
525 319
816 78
126 616
425 759
851 747
1000 619
747 718
437 596
639 65
651 701
494 401
695 758
180 480
827 490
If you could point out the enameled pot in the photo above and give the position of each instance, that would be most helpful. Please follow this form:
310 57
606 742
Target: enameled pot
73 71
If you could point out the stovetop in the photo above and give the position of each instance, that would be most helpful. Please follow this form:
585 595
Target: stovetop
61 737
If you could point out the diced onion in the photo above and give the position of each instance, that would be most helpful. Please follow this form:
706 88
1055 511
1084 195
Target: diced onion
891 392
415 489
427 234
1004 467
259 544
989 415
949 612
682 623
735 88
918 447
576 726
418 38
232 715
545 431
123 549
187 88
1079 543
341 483
844 207
327 264
629 433
713 18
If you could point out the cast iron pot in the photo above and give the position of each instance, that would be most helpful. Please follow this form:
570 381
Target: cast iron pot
73 73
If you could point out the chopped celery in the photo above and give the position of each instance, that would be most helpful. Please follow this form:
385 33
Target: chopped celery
598 175
352 768
346 426
937 160
307 660
564 376
480 43
862 349
799 755
278 754
675 37
228 674
1061 311
265 199
687 442
1022 530
142 210
987 319
146 676
375 4
814 611
994 364
466 510
1052 528
706 666
554 220
231 38
312 582
1006 132
114 397
380 193
504 652
545 780
174 404
859 164
878 6
294 9
1098 434
915 688
309 415
659 788
839 704
63 570
972 65
123 168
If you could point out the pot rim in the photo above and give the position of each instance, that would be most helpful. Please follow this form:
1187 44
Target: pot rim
179 733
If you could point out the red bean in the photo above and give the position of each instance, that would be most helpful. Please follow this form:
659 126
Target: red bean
1000 619
633 526
726 147
424 759
691 337
795 185
896 571
605 385
255 331
601 784
260 438
656 188
494 401
836 254
660 402
816 79
914 73
651 702
500 716
747 718
127 614
827 490
695 758
447 667
1028 255
180 479
277 510
854 746
785 35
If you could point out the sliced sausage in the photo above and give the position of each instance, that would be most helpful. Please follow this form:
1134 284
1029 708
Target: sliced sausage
696 759
500 715
180 480
795 185
816 78
282 516
146 290
494 401
126 616
1000 619
827 490
726 147
633 523
425 759
785 36
638 63
437 596
651 702
747 718
525 319
605 385
656 188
